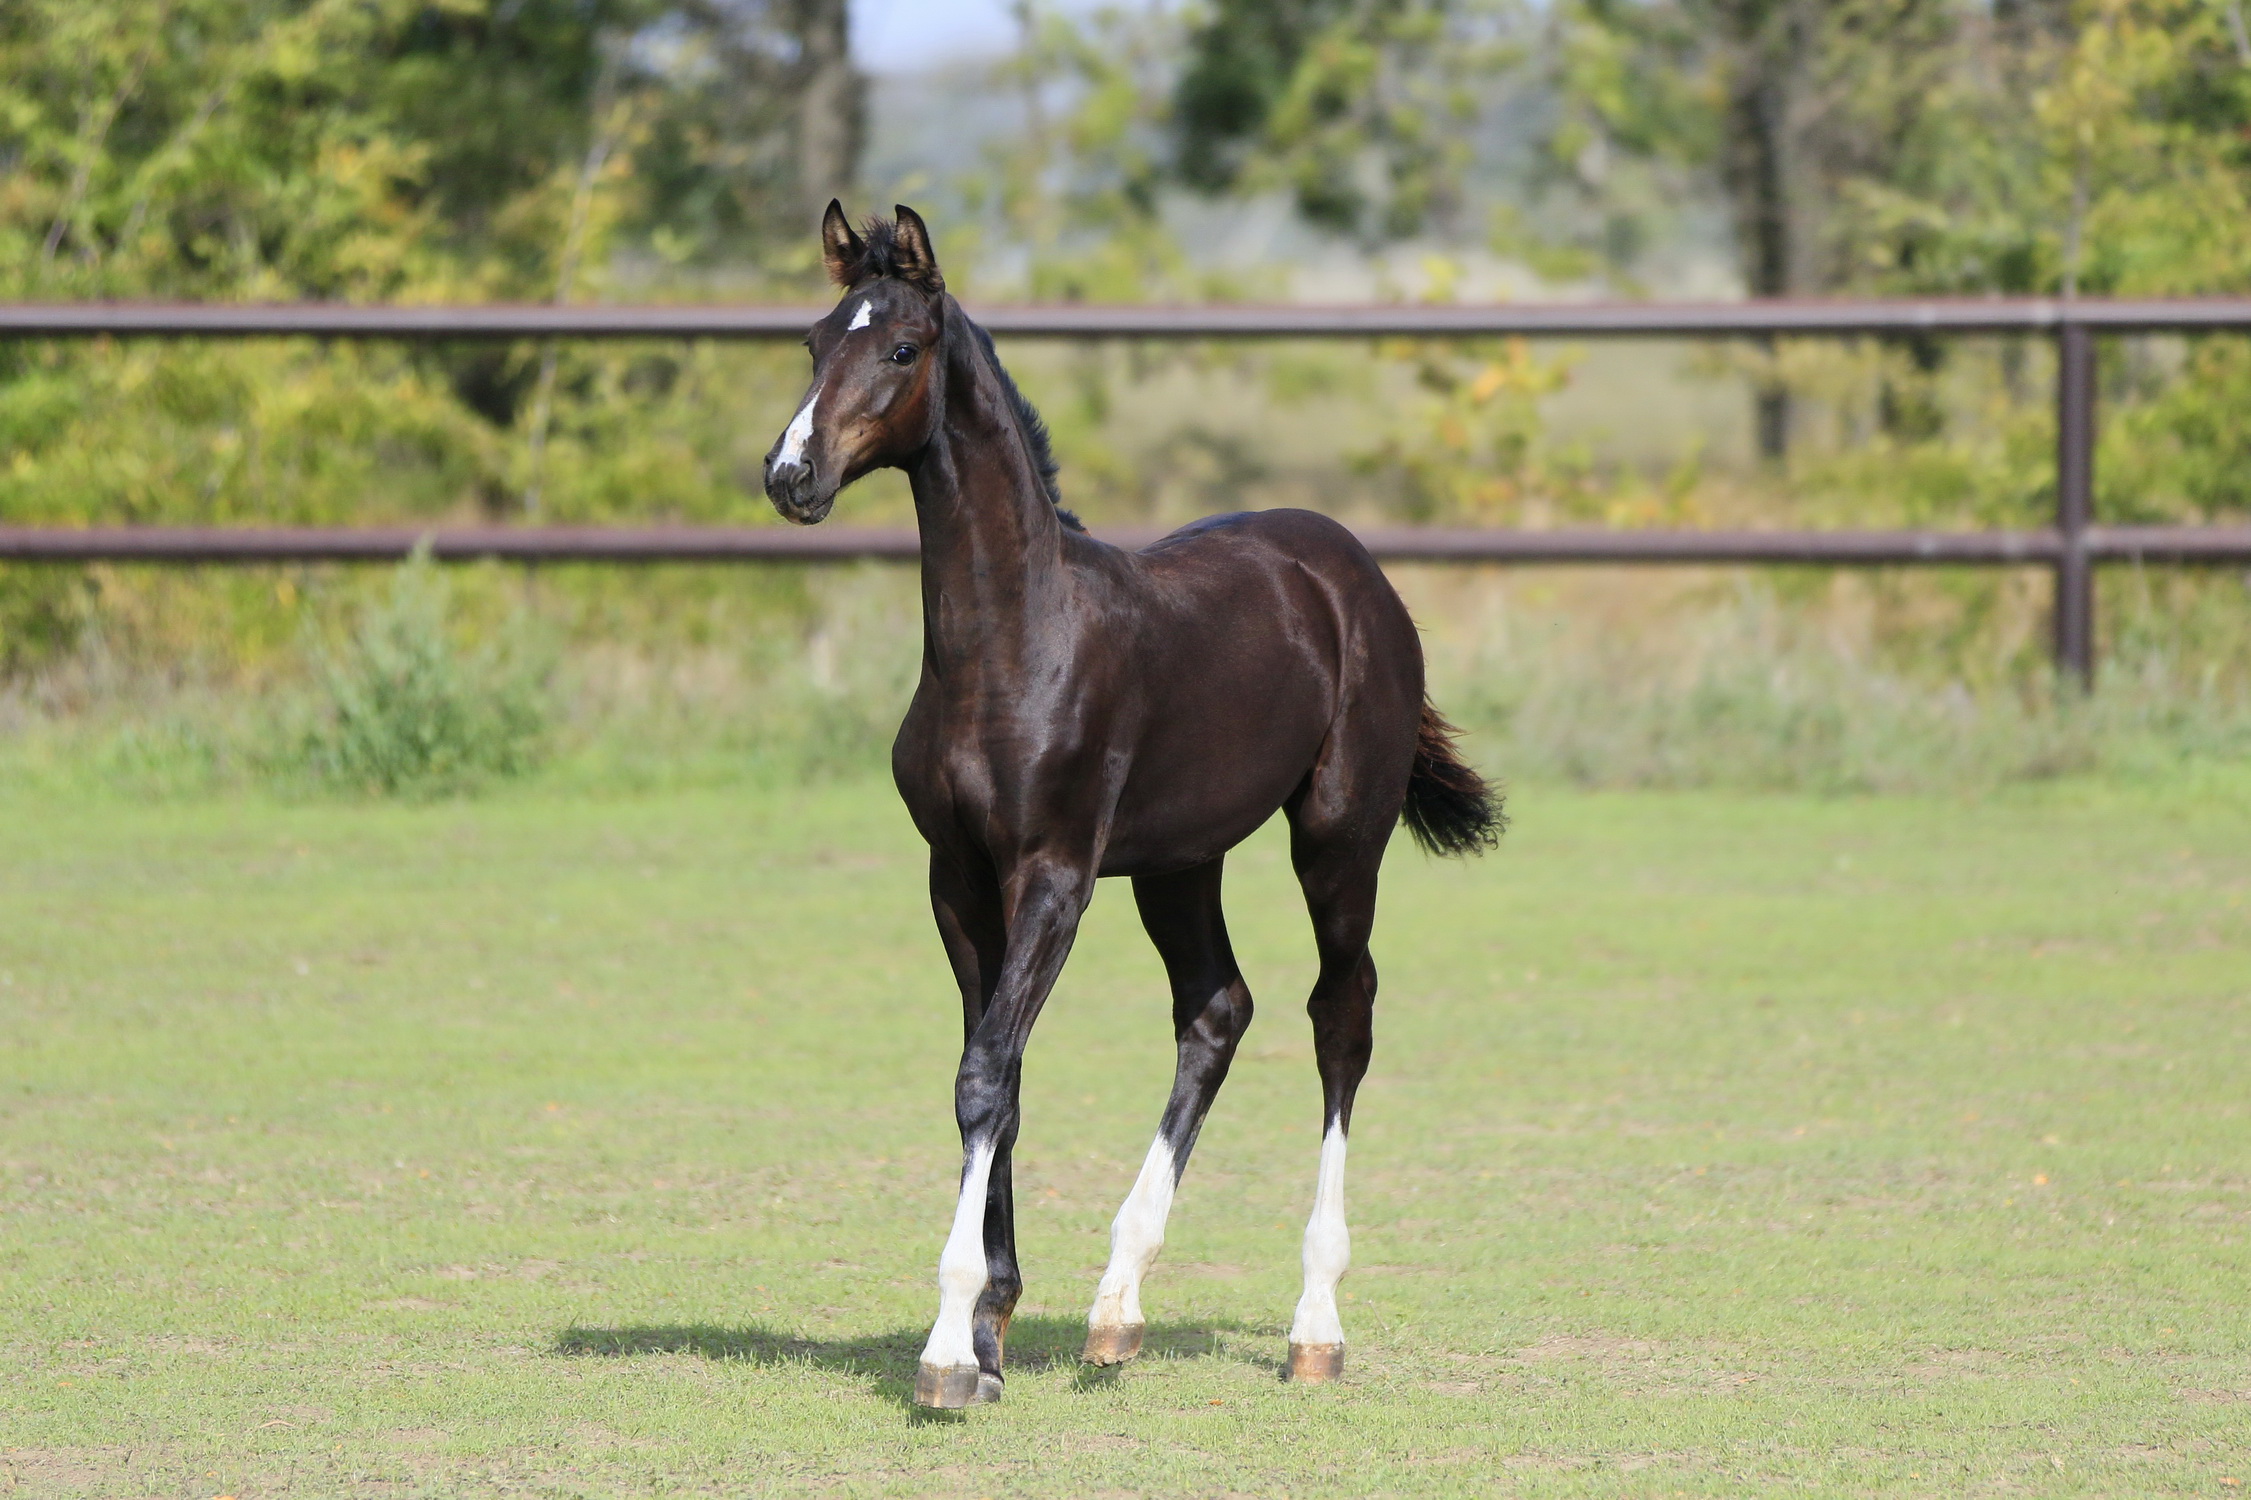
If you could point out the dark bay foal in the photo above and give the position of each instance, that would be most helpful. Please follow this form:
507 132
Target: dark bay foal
1086 711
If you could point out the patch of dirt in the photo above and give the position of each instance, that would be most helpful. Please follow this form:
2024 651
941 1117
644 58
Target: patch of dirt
1644 1366
60 1471
1954 1364
1102 1442
299 1416
1598 1347
1204 1268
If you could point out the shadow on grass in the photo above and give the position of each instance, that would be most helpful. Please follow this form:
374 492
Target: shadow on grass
887 1360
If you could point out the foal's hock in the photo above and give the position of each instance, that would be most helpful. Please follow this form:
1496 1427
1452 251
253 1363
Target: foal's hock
1086 711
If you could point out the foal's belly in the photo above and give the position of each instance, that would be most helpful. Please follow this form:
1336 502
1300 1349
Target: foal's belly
1206 777
1160 841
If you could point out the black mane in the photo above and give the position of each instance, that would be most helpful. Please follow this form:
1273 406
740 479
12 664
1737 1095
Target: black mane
1027 418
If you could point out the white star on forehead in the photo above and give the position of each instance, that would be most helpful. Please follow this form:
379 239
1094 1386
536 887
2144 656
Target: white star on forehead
859 319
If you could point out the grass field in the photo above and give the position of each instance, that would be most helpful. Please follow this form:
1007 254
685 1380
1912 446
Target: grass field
565 1146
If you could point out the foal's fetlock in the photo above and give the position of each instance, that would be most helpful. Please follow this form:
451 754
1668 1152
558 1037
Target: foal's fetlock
1112 1344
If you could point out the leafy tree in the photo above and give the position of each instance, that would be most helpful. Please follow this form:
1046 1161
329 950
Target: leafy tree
1355 107
1787 106
381 147
387 150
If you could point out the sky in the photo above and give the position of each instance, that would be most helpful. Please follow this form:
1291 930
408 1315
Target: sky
904 36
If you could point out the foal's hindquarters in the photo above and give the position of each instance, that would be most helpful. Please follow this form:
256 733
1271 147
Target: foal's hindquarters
1301 690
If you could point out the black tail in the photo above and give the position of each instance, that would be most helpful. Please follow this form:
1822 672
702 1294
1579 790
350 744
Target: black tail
1450 808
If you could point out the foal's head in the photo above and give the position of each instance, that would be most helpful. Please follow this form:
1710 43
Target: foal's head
877 375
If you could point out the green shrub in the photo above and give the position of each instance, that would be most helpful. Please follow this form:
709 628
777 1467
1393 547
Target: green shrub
404 710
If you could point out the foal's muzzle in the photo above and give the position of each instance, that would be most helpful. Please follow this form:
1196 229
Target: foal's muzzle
797 492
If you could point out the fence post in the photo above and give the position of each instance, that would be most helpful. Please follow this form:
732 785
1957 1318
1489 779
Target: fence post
2075 501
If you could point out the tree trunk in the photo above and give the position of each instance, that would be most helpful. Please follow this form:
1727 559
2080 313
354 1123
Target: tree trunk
832 104
1769 174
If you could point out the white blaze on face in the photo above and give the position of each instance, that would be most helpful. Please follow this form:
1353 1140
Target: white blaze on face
859 319
1135 1237
1328 1250
799 432
962 1270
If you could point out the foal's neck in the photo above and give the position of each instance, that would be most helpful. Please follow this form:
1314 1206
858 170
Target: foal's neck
992 544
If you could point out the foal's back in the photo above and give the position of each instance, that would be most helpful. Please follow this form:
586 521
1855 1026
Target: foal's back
1255 640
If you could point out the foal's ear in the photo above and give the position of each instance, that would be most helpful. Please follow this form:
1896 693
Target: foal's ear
917 263
841 248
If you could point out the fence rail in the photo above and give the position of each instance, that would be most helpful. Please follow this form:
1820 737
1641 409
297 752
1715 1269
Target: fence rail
1757 319
2071 548
2218 545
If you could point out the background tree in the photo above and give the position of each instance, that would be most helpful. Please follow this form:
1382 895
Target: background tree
1355 107
387 150
1788 106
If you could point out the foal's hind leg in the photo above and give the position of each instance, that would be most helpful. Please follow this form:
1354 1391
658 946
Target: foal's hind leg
1211 1007
1338 872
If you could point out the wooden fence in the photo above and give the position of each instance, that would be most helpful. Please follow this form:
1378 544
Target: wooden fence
2071 547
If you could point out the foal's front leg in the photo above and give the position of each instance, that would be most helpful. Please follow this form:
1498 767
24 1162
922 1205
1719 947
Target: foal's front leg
977 1277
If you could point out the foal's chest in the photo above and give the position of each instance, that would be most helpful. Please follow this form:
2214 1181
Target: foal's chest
985 764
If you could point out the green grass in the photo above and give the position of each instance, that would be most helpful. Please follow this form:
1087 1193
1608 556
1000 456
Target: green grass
557 1145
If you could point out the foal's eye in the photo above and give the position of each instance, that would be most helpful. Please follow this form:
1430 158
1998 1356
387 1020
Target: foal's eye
903 355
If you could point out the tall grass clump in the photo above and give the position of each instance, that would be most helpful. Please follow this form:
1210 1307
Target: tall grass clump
1729 685
400 708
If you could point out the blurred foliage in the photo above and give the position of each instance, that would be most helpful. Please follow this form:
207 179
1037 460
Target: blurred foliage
1355 107
1925 146
1782 106
385 148
1475 447
1078 189
379 150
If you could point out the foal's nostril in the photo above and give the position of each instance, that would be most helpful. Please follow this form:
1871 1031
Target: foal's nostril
793 488
783 478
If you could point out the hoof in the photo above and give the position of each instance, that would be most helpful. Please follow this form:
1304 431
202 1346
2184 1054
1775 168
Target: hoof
1113 1345
1316 1364
951 1387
